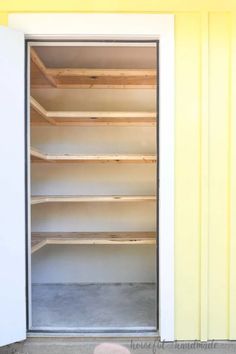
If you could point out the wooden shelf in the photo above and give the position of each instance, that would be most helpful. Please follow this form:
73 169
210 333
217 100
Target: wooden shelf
90 78
37 156
41 239
39 199
40 116
41 76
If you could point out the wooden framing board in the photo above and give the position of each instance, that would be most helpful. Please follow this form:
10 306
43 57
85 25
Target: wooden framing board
41 239
40 65
39 199
37 156
86 118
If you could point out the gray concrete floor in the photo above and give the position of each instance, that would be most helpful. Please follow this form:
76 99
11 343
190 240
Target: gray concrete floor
94 305
134 346
72 344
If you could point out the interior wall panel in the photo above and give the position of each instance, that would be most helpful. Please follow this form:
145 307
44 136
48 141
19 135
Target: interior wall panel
59 264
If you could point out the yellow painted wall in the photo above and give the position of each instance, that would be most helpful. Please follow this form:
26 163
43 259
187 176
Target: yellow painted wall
205 154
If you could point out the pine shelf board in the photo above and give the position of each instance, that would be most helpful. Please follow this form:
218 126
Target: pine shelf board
40 116
42 76
37 156
41 239
39 199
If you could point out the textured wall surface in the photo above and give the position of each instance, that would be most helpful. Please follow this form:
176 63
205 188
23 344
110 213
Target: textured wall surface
205 230
205 155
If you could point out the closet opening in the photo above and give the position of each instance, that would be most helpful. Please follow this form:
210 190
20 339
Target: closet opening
93 181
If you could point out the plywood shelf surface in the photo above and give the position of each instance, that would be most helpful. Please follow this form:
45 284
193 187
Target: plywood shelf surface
41 239
42 76
40 116
39 199
37 156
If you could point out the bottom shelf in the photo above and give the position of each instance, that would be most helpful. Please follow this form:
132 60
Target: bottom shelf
41 239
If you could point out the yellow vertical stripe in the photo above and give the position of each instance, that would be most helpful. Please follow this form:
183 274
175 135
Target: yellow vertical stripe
204 178
232 248
218 174
187 161
3 18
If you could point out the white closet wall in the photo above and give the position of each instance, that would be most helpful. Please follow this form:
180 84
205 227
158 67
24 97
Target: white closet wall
94 264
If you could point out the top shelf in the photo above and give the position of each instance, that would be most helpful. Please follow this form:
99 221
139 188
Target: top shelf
41 76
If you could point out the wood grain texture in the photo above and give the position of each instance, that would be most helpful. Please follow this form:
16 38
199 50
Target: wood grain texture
39 199
41 239
37 156
38 62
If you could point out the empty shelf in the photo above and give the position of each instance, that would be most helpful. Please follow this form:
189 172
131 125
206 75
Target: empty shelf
37 156
43 76
89 198
41 239
40 116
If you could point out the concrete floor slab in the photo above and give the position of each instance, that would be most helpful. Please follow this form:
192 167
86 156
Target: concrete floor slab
94 305
134 346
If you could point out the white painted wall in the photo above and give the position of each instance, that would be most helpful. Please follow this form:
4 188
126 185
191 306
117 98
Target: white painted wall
90 140
96 99
94 263
132 216
93 178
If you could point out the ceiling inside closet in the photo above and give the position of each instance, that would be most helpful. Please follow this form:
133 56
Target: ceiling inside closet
115 56
119 76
